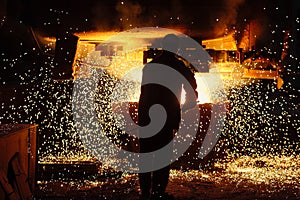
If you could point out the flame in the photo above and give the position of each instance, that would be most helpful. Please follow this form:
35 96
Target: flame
95 36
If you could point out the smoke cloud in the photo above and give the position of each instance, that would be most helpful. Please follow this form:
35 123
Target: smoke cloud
227 17
129 14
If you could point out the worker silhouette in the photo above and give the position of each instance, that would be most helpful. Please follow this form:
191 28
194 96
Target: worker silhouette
153 184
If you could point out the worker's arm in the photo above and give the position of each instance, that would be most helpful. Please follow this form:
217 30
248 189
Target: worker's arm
191 94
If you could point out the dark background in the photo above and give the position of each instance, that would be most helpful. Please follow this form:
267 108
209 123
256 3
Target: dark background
196 17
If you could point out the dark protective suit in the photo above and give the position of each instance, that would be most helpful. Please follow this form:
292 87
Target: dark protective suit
156 94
